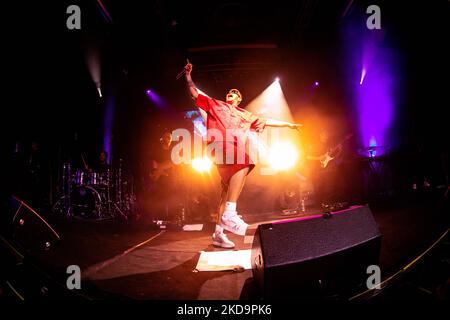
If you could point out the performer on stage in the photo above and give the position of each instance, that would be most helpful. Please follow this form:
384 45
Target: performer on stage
223 117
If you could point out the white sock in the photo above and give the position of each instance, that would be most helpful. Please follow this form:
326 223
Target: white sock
219 229
230 209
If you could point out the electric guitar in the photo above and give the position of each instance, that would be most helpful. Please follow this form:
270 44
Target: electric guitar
159 170
330 154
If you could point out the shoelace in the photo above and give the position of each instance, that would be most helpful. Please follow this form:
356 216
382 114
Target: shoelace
237 215
224 237
237 226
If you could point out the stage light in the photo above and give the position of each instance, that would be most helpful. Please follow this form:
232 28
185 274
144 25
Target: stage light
283 156
92 58
99 90
372 147
316 83
201 164
156 99
104 12
376 98
277 79
363 74
272 103
108 122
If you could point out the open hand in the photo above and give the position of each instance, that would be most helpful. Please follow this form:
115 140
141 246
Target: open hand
259 125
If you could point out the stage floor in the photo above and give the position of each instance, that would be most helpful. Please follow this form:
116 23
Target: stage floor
139 261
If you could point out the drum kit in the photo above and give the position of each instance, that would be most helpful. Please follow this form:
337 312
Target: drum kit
91 195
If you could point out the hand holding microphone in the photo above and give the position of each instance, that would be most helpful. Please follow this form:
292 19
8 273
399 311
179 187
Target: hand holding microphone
187 68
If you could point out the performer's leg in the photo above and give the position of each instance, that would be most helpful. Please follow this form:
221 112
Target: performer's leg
230 220
223 200
219 238
237 182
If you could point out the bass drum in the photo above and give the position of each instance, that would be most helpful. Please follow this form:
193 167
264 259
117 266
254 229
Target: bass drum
86 202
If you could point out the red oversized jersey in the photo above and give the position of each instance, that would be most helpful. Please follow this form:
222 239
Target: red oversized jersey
232 122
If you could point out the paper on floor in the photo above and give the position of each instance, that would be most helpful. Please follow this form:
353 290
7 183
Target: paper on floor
224 260
193 227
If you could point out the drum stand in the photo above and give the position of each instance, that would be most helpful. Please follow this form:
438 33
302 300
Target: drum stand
115 208
64 205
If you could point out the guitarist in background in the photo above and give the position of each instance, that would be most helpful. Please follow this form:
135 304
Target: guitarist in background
161 163
323 158
161 178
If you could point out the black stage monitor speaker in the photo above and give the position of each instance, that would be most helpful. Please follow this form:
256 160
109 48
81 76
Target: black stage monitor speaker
316 257
29 230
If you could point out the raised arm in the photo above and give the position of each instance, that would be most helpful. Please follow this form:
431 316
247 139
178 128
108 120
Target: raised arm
191 86
281 124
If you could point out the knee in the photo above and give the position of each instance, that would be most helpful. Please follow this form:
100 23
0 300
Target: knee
225 187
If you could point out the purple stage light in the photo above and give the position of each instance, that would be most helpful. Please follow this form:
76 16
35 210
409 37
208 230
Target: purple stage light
157 100
376 104
108 121
374 83
363 75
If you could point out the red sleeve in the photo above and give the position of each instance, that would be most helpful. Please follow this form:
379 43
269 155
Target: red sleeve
202 102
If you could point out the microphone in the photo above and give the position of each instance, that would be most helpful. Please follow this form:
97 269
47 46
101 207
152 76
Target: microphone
182 72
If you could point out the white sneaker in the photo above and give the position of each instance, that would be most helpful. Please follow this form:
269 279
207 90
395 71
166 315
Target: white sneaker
234 224
221 240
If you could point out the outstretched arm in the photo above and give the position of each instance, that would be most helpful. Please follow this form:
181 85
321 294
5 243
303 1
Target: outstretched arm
191 86
282 124
309 157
